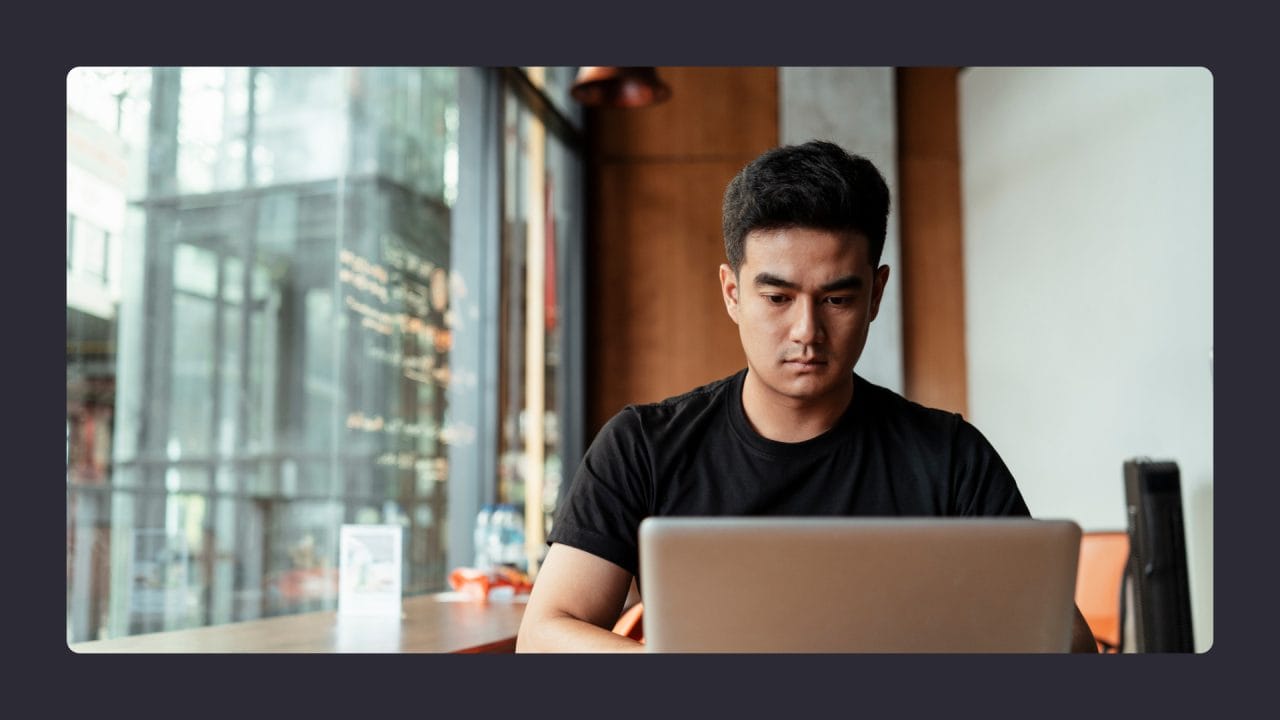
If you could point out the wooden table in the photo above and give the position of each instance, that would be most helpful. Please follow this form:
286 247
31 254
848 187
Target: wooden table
439 623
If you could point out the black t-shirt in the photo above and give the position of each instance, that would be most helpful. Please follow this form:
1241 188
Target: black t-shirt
696 454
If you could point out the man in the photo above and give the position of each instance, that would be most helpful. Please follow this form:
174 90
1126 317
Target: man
795 433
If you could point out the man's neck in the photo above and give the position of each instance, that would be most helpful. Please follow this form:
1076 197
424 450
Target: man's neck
786 419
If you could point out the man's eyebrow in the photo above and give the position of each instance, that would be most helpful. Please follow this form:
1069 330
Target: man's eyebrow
765 278
848 282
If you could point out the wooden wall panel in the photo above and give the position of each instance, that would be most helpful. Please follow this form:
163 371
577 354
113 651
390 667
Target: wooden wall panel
656 324
933 332
713 112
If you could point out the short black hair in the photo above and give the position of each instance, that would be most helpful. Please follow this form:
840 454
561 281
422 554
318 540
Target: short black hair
816 185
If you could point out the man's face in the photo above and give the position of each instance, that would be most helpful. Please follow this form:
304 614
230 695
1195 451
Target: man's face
803 301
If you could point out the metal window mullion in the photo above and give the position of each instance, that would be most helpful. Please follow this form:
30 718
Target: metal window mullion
211 507
570 270
536 101
475 256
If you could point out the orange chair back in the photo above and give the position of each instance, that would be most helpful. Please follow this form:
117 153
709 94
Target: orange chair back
631 623
1099 579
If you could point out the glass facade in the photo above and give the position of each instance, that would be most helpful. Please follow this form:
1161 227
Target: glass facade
540 218
280 319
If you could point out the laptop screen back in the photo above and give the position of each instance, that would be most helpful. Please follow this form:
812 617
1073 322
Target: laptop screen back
888 585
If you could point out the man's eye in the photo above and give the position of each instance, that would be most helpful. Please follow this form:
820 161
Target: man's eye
776 299
839 300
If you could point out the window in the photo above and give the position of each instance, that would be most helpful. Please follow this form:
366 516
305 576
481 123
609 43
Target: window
540 389
292 324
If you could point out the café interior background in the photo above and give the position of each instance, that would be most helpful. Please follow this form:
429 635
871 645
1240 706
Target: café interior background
303 297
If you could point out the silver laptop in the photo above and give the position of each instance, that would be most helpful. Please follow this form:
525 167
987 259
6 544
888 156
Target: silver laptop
882 585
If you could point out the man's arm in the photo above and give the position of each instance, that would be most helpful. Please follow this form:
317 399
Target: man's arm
575 601
1081 636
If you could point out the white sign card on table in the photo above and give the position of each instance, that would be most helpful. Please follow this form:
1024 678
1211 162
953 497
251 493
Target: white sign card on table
369 570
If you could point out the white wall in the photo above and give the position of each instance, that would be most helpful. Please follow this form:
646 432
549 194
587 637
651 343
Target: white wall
856 109
1088 227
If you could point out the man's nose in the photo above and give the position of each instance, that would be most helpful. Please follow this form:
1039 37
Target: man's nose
806 326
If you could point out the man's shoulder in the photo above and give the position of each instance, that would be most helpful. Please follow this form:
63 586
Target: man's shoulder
679 409
646 428
697 397
928 425
889 407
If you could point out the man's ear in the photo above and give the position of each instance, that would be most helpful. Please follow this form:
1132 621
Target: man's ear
877 291
729 290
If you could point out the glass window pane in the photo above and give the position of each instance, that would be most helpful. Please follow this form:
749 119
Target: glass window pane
283 315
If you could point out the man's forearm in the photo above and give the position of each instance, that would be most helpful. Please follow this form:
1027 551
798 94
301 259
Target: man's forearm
568 634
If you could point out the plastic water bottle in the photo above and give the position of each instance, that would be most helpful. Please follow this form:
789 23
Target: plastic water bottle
515 540
493 537
484 519
506 534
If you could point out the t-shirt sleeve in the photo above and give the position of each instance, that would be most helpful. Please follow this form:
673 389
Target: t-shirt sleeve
982 483
609 495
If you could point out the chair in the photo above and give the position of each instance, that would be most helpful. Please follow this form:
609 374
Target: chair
1100 575
631 623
